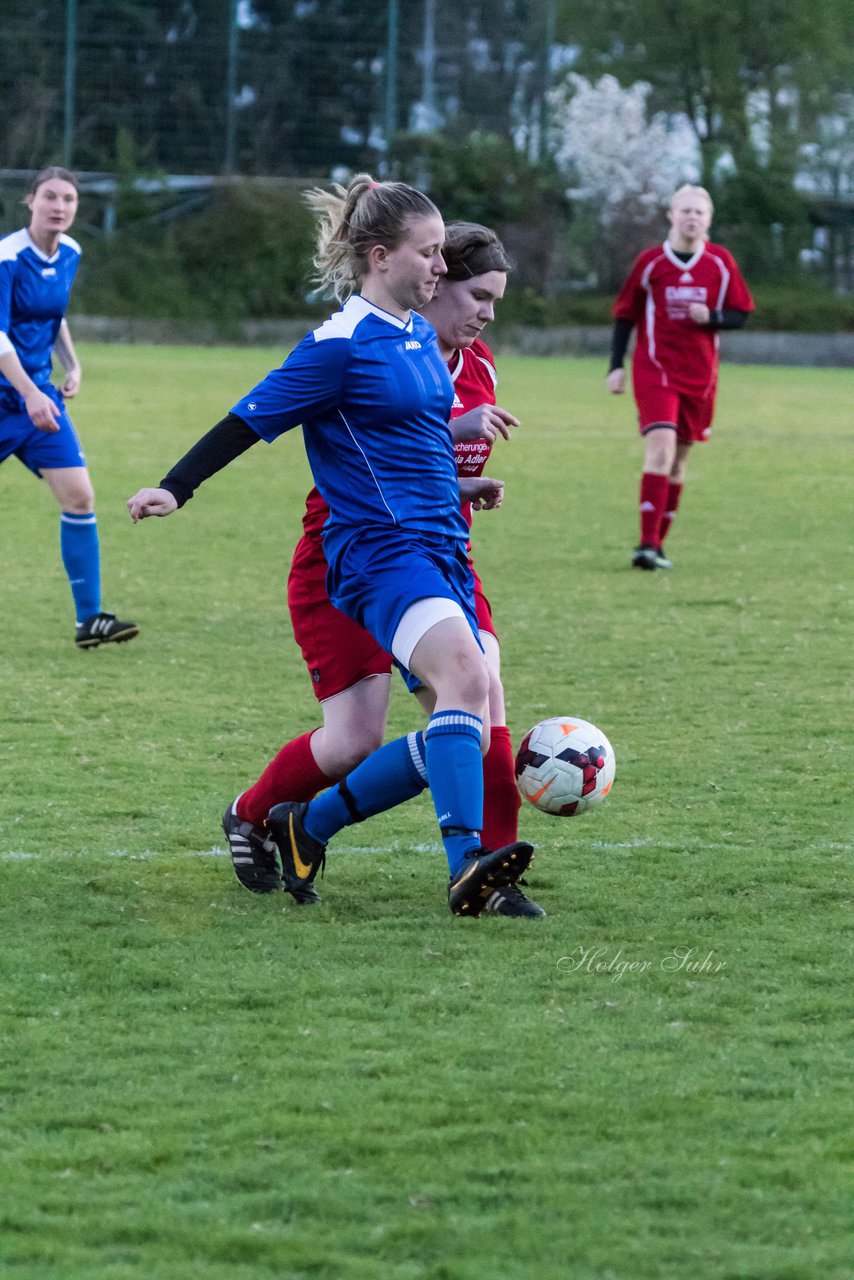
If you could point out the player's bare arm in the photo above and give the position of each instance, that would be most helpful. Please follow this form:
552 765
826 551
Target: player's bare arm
486 422
67 357
482 492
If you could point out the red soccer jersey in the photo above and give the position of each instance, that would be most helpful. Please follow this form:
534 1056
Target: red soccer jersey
473 374
671 350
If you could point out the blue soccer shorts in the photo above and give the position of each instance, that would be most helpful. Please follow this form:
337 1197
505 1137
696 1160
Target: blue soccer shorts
377 573
39 450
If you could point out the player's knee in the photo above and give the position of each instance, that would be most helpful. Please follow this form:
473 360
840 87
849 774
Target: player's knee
680 467
469 681
496 699
660 449
356 746
658 460
366 739
79 500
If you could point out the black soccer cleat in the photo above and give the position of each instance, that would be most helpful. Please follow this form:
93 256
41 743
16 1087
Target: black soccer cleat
253 854
301 856
103 628
661 560
484 870
645 557
305 895
509 900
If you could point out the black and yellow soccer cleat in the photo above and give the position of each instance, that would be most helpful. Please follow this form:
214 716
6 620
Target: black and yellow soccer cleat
484 870
301 856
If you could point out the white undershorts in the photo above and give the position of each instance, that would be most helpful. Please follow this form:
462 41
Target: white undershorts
418 620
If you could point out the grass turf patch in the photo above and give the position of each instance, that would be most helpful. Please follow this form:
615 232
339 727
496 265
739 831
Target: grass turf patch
651 1082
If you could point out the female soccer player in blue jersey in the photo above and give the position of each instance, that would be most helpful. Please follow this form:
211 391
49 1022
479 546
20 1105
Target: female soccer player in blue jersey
363 385
350 673
37 269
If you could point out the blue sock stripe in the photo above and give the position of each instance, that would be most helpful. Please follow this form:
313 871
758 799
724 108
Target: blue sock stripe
415 742
454 722
386 778
71 518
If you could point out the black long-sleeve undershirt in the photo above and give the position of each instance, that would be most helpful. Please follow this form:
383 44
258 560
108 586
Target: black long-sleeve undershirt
222 444
620 343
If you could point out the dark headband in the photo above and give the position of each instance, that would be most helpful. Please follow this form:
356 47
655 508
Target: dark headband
474 258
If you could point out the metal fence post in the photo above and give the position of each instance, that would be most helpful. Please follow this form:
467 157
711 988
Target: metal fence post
391 73
70 68
231 88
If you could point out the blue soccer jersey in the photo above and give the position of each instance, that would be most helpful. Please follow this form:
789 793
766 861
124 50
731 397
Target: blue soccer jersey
374 397
34 293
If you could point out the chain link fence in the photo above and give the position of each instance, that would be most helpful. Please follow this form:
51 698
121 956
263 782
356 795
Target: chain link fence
260 86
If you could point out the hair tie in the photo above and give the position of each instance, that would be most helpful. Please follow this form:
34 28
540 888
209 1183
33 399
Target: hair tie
373 184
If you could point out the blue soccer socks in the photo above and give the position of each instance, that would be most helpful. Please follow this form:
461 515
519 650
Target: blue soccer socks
455 771
446 757
81 556
391 775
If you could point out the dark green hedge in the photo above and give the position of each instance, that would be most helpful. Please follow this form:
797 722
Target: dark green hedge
246 255
796 307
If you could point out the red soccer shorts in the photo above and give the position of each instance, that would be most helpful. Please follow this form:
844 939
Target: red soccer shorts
337 651
691 415
481 604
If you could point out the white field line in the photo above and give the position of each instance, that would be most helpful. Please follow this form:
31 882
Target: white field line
21 855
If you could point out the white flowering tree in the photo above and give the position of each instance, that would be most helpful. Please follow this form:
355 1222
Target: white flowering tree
621 165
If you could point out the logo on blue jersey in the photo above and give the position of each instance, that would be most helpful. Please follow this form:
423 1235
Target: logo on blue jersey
251 404
412 345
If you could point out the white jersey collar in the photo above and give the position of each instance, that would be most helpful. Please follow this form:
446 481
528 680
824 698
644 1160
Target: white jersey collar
670 253
45 257
369 308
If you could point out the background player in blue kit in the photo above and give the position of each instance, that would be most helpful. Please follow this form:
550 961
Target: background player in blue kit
364 385
37 269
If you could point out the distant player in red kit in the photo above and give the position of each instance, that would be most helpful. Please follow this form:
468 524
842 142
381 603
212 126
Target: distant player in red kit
678 295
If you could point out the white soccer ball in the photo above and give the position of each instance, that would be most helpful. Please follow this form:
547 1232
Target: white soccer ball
565 766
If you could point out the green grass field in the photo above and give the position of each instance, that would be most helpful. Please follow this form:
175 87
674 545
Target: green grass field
650 1084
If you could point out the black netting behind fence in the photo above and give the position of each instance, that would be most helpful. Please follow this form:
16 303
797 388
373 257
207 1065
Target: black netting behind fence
257 86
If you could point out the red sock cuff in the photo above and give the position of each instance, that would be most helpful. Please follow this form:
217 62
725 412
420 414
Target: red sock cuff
294 774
